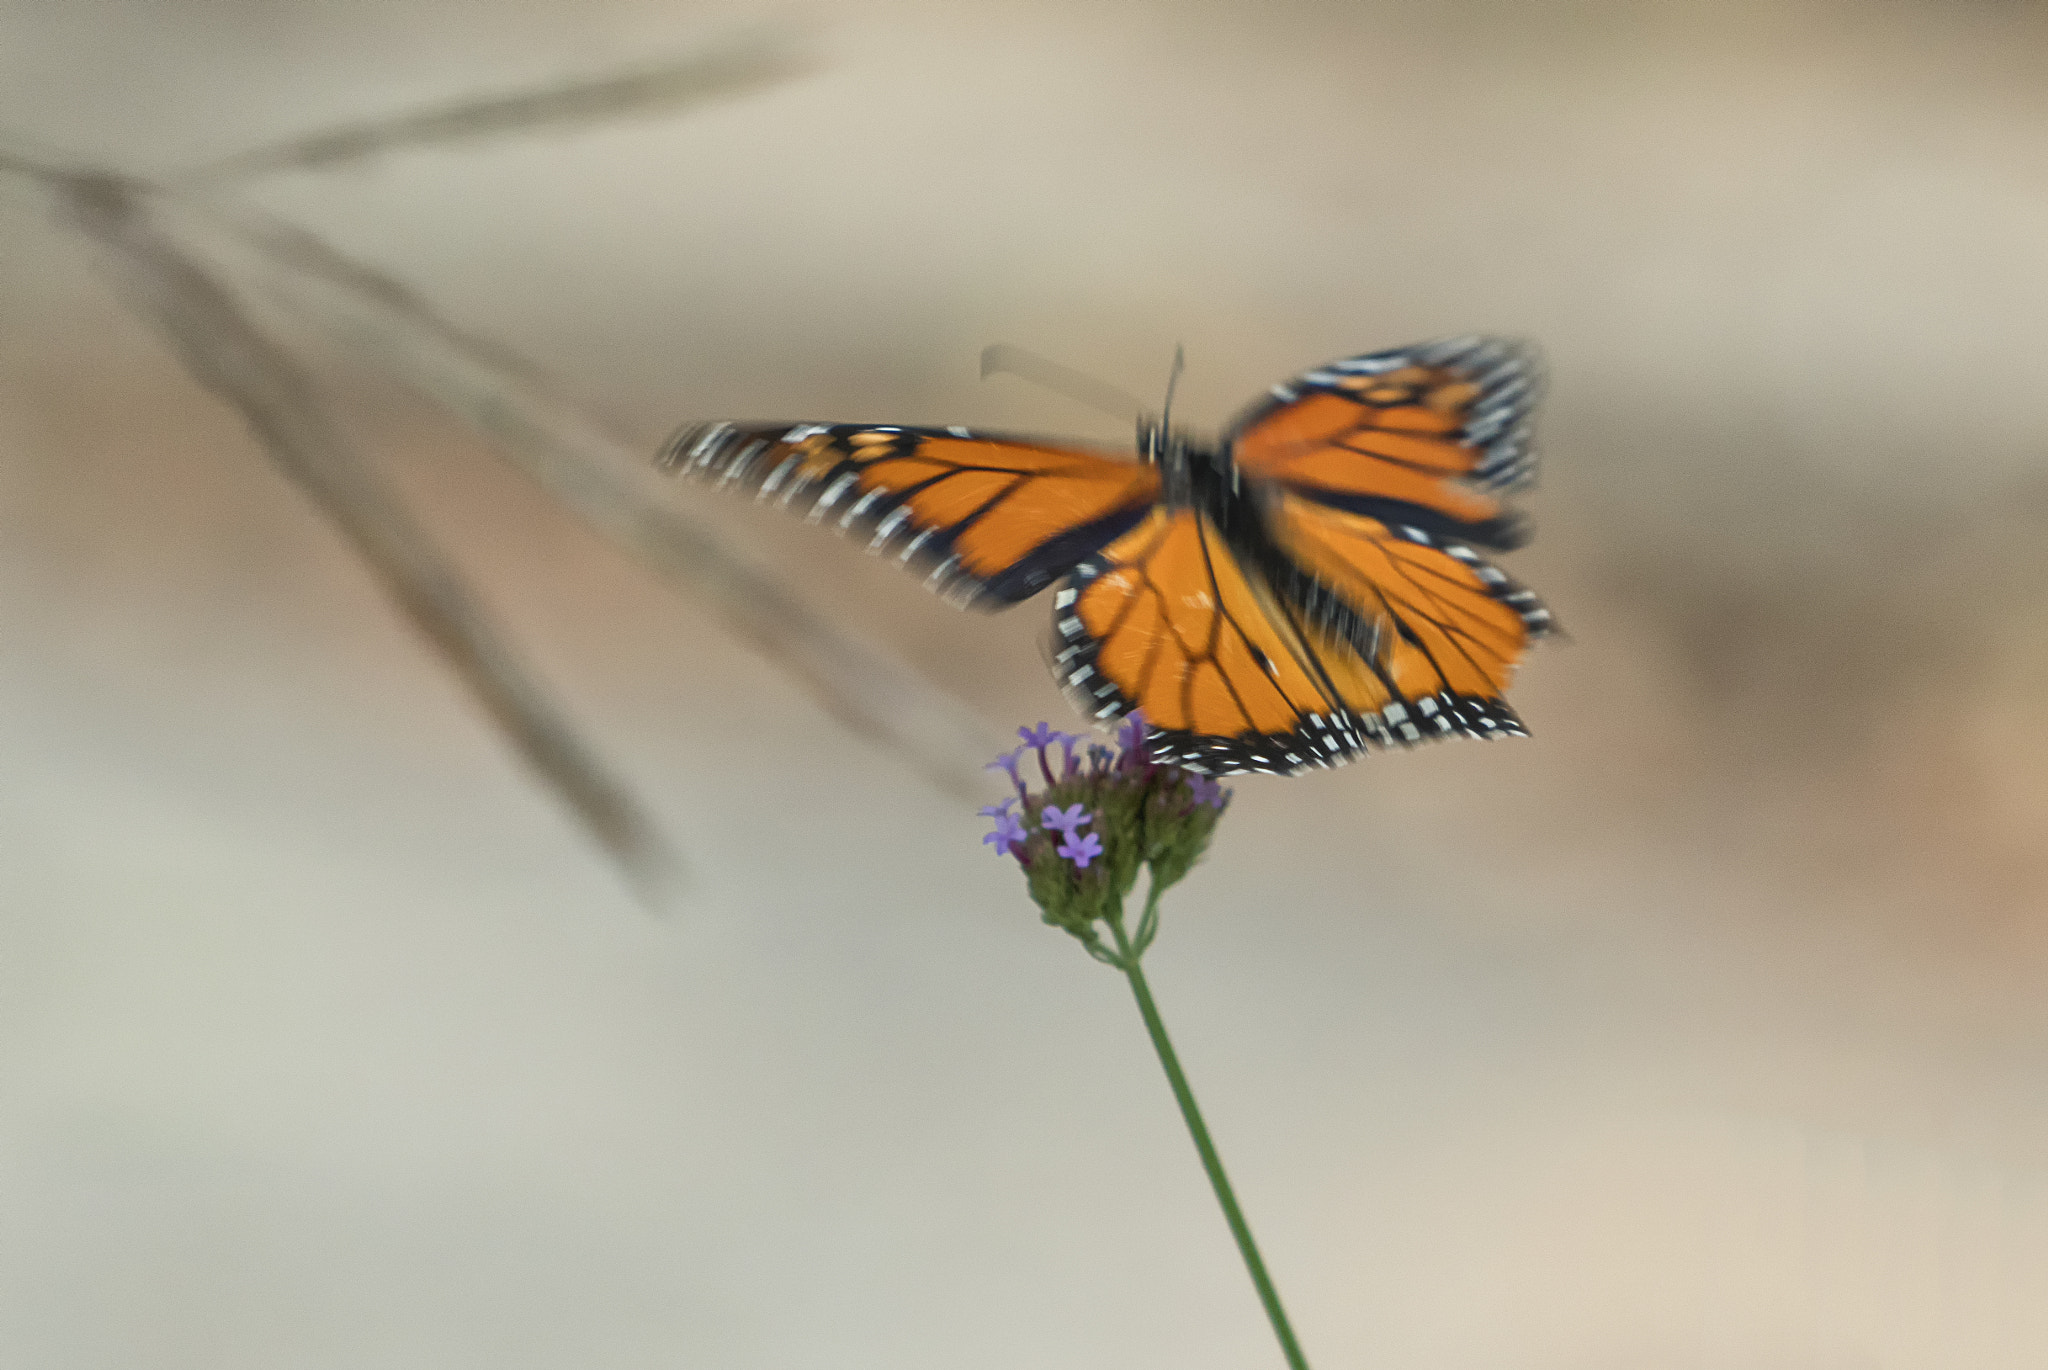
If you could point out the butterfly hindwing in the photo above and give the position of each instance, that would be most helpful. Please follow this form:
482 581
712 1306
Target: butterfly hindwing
1168 619
988 520
1353 635
1438 628
1439 428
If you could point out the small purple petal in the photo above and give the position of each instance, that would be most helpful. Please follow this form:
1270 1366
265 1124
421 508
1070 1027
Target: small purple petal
997 810
1055 819
1132 735
1007 764
1080 848
1040 736
1009 834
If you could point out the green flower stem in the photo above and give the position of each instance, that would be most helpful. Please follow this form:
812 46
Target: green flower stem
1127 959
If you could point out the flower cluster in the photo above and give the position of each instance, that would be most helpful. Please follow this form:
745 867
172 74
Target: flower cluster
1101 815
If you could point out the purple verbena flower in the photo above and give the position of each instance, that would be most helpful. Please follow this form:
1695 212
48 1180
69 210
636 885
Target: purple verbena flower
1041 737
1009 834
1007 764
1131 735
1054 819
1080 848
1109 815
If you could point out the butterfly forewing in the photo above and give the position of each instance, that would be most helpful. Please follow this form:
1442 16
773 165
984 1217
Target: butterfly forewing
989 520
1437 427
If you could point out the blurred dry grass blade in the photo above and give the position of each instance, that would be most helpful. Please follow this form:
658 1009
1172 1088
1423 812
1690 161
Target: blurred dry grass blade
228 355
737 65
611 483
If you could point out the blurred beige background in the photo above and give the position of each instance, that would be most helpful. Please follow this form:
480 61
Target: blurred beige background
1704 1030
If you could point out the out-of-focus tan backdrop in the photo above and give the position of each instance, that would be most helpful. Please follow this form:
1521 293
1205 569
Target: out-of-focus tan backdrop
1705 1029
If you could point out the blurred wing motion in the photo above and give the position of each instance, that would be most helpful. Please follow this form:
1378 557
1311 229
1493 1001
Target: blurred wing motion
1359 616
988 520
1353 634
1426 434
1326 603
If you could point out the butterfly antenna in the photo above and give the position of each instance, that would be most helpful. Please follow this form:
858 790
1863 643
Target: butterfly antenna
1082 389
1180 361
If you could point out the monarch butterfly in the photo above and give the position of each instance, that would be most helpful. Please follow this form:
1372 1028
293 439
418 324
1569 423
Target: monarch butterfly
1299 590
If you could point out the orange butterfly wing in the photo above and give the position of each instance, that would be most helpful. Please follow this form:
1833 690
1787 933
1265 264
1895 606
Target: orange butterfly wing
1346 610
1438 630
1167 619
1357 616
1356 635
988 520
1428 432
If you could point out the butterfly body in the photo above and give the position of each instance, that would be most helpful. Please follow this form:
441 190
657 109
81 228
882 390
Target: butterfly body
1290 595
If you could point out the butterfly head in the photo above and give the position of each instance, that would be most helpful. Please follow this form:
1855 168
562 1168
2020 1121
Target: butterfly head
1166 447
1190 467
